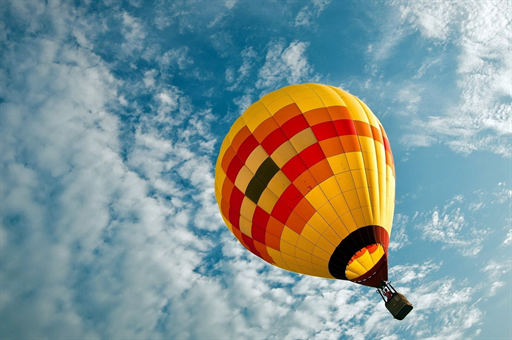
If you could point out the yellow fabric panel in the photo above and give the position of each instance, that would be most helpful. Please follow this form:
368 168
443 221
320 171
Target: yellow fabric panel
352 199
304 255
367 144
305 266
243 178
328 213
294 88
272 97
380 156
328 96
302 94
219 182
340 205
330 187
376 256
370 161
291 261
318 223
355 160
287 248
349 222
256 158
309 104
356 268
252 110
247 209
303 139
289 236
331 236
278 183
350 275
278 104
283 154
321 252
305 245
366 261
319 261
359 178
310 234
340 229
267 200
364 197
245 226
316 197
355 109
257 119
346 181
338 163
276 256
359 217
326 246
332 101
237 126
369 114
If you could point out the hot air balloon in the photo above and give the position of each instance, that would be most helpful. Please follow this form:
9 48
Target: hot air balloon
305 180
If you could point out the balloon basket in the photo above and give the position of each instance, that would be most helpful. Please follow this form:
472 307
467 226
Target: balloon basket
399 306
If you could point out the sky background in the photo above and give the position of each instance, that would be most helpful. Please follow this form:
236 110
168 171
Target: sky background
111 117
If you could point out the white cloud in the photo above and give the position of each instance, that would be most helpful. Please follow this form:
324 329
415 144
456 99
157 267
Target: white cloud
482 119
178 56
400 238
508 240
450 227
281 64
494 272
133 33
248 59
310 12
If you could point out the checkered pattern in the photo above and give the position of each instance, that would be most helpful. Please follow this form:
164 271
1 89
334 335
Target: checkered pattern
299 172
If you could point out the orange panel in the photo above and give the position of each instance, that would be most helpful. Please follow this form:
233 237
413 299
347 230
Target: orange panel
339 112
350 143
264 129
262 249
240 137
331 146
275 227
224 207
286 113
228 157
317 116
363 129
295 223
272 241
238 235
227 189
321 171
377 135
304 209
305 183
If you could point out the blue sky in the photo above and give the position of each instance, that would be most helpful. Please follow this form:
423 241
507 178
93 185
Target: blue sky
111 117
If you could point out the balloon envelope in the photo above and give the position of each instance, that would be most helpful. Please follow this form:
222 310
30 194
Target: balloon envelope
305 180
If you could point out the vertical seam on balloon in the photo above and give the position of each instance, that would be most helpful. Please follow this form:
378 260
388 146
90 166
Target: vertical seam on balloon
378 161
366 173
352 176
341 191
360 204
364 169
